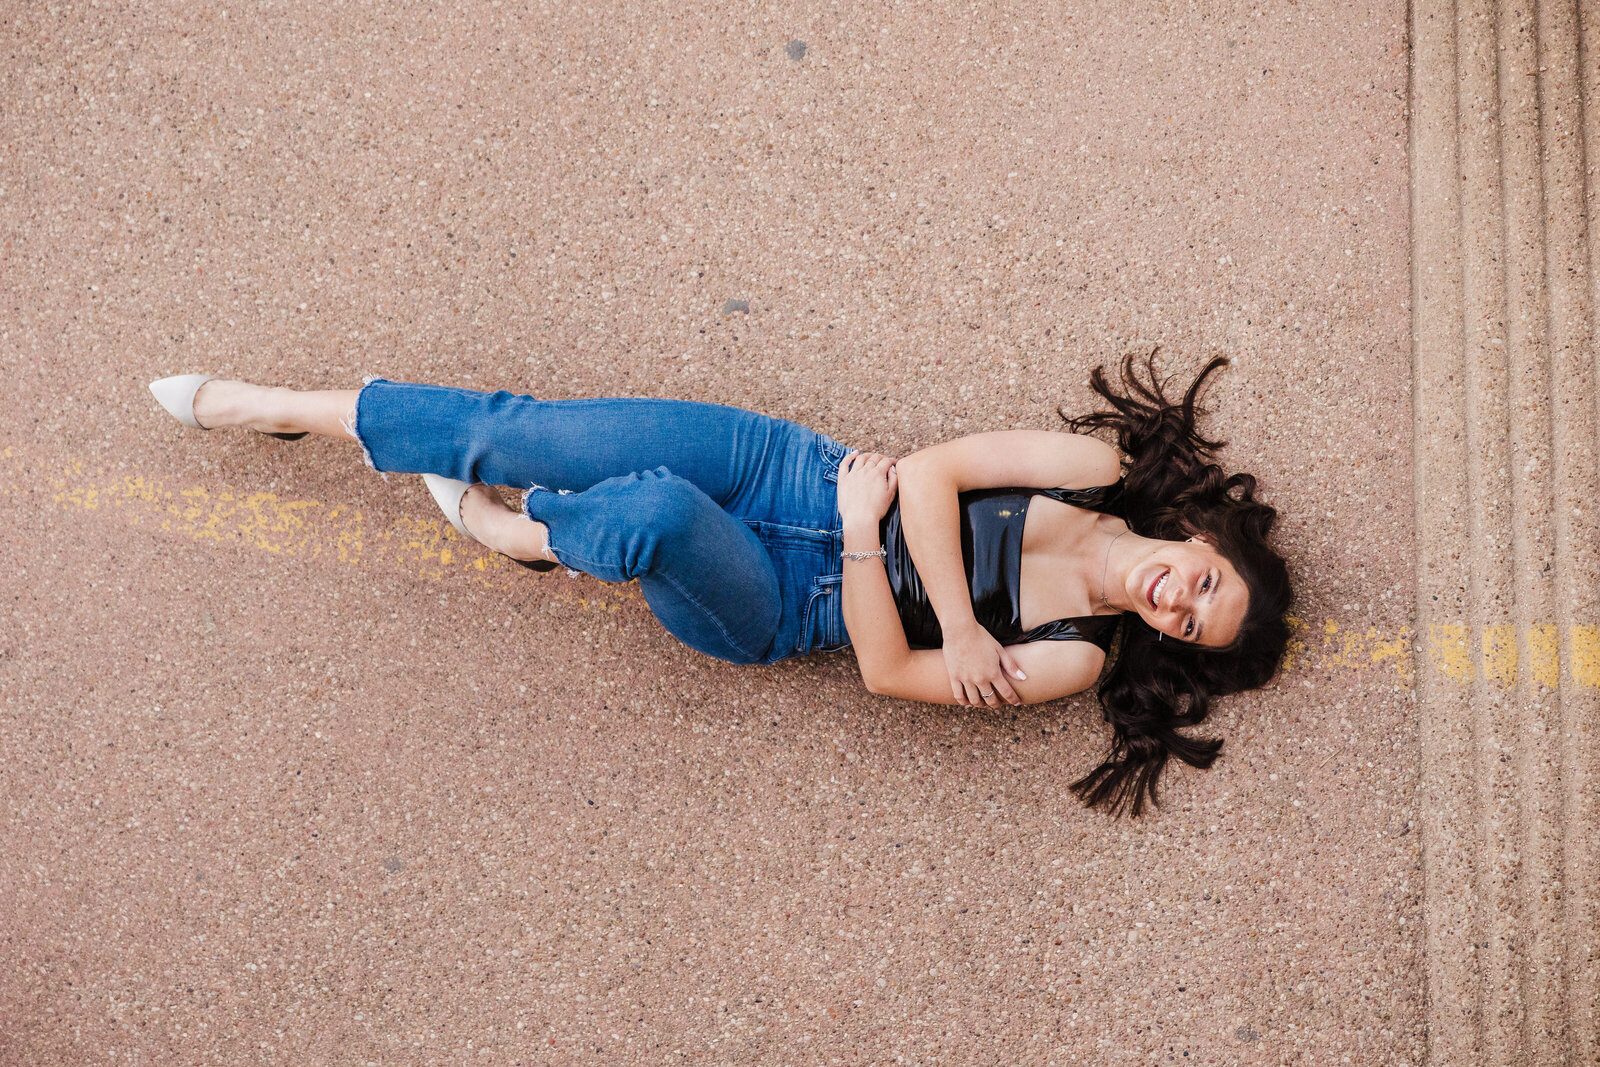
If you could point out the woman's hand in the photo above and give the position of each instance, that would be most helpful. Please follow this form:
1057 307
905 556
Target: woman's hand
980 668
867 485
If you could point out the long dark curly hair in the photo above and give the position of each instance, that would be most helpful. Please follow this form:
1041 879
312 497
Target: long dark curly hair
1172 491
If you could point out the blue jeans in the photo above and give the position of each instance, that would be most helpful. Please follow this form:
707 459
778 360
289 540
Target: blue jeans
728 519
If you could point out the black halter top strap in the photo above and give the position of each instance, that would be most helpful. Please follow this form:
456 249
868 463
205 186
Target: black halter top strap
991 549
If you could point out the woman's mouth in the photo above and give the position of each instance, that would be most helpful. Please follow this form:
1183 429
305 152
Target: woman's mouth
1153 593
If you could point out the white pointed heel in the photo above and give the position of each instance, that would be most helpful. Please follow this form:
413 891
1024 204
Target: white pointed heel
447 493
176 394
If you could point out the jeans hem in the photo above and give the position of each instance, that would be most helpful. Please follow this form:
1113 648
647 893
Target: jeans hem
549 536
352 425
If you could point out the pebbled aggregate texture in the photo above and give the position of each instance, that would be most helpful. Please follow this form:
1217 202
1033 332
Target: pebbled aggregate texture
260 809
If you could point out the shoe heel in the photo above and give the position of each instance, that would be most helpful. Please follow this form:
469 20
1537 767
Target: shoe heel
447 493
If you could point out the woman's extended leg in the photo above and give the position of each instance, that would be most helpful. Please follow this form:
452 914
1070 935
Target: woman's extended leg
753 465
274 409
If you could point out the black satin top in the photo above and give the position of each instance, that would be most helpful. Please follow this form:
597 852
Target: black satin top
991 549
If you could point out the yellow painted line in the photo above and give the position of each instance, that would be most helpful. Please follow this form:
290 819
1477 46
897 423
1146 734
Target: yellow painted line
1544 654
1500 655
1506 650
1447 649
431 549
311 529
1330 645
1503 651
1585 655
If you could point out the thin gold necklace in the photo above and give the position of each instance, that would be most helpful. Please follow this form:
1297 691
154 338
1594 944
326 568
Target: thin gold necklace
1105 570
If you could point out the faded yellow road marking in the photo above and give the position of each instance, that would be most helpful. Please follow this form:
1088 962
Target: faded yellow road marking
430 548
1331 646
1447 644
1500 655
1504 650
1585 656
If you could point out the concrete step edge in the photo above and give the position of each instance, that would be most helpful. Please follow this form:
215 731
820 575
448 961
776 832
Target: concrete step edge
1507 572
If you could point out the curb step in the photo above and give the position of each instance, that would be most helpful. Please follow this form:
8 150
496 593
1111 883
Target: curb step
1504 287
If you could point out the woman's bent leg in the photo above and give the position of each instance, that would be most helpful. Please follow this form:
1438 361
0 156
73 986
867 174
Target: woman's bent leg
703 573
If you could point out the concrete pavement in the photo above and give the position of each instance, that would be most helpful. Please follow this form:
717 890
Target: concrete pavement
294 774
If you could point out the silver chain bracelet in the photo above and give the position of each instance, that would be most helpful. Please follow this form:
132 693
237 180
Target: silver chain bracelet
866 555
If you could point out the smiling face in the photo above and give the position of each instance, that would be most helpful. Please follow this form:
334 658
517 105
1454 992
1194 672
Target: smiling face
1189 590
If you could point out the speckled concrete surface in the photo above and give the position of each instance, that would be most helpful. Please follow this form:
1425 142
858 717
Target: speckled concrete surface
280 798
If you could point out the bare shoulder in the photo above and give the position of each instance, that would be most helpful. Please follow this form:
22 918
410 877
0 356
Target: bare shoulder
1055 669
1042 459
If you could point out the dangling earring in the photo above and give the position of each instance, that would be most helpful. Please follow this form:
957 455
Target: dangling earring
1160 634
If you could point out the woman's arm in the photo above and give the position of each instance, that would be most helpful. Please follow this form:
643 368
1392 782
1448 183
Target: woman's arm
867 485
870 615
1054 668
930 519
931 478
980 669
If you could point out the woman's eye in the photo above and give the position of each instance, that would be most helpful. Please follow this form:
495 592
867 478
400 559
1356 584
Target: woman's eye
1205 585
1188 628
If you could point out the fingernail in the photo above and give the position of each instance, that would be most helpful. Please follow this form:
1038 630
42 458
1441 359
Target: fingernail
1024 677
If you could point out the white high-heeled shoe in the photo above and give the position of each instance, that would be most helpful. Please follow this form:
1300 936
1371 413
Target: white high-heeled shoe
176 394
447 493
